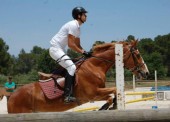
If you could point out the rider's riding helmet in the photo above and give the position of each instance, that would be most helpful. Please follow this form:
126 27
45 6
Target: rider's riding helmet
78 11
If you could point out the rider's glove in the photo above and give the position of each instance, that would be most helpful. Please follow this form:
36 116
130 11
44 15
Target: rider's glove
87 54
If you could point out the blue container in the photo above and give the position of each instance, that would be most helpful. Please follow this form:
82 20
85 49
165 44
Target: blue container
161 88
154 107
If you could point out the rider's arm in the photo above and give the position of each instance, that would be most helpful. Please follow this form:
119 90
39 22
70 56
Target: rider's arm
9 87
74 44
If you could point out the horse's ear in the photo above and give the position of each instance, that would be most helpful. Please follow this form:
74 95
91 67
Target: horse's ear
134 43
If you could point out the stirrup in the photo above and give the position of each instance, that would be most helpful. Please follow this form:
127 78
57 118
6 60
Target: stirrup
69 99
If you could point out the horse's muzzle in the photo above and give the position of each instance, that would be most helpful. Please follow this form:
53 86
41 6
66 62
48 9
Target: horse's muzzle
144 75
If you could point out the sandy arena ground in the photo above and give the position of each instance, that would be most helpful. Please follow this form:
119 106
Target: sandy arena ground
97 104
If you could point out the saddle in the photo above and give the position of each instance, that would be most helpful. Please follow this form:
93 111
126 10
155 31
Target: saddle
52 84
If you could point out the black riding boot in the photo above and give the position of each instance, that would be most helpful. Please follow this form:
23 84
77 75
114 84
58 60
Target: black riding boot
68 89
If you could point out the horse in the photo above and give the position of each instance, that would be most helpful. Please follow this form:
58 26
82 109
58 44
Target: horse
90 82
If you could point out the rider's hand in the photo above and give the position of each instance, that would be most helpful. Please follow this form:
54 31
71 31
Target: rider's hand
87 54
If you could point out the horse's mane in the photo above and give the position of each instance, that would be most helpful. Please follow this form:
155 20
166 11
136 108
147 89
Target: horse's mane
105 46
102 47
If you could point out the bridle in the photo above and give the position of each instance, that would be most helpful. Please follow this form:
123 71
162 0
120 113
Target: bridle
137 66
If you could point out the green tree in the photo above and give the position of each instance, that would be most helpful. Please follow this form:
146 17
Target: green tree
46 63
164 48
73 54
154 62
37 50
5 61
146 46
130 37
25 62
98 42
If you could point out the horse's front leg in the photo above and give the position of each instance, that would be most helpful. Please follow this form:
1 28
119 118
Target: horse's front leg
110 101
105 94
106 91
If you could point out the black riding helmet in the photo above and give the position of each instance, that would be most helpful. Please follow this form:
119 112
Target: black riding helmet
78 11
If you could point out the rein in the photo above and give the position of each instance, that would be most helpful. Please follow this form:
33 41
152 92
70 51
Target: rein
109 61
99 58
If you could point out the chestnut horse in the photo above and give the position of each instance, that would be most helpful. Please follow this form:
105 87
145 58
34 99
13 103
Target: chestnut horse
90 77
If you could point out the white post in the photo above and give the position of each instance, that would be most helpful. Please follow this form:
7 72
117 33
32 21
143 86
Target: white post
156 87
134 86
120 76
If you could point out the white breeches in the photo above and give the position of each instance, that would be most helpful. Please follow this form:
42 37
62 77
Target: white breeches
57 53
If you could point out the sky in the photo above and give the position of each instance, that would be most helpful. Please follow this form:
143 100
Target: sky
28 23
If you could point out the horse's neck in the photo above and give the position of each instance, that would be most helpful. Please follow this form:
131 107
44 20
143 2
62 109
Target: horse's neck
104 60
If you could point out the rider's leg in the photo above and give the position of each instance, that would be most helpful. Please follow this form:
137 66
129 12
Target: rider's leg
68 88
69 81
67 63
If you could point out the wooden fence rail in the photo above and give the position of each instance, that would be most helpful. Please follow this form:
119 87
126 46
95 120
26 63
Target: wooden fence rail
158 115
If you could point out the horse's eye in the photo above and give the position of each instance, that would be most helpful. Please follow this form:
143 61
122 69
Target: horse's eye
138 56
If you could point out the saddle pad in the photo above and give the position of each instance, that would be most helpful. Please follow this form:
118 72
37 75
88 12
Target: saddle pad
49 89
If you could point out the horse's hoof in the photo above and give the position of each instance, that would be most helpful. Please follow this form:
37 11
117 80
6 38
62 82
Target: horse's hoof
113 108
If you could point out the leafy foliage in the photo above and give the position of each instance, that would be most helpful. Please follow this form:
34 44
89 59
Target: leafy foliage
46 63
5 57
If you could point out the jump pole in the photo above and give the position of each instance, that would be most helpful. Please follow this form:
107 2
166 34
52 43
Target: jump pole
140 93
86 109
134 85
156 89
120 76
159 115
139 100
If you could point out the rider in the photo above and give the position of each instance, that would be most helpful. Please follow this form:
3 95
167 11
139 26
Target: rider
69 35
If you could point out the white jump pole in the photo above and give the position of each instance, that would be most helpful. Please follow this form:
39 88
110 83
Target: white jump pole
134 85
120 76
156 88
